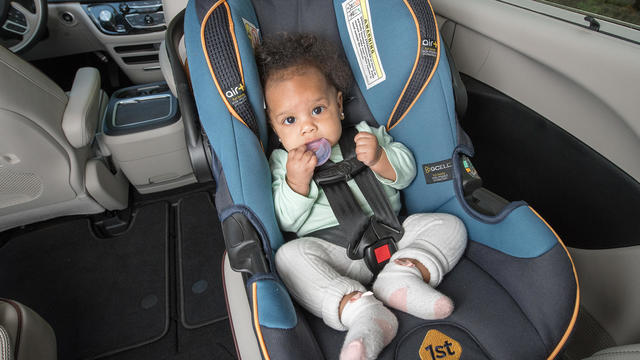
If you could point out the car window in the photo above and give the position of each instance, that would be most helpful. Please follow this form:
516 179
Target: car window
618 18
624 11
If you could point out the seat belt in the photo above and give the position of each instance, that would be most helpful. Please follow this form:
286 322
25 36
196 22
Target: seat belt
371 238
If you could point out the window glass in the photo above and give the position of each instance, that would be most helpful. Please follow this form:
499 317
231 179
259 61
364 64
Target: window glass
627 11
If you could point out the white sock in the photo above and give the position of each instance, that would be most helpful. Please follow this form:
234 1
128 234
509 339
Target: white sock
371 327
400 286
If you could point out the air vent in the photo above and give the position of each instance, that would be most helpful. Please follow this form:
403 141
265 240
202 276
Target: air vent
135 48
142 59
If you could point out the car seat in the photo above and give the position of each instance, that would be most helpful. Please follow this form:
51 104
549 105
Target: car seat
24 335
516 290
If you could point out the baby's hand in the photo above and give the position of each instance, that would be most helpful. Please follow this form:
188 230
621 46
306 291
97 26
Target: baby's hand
300 165
367 149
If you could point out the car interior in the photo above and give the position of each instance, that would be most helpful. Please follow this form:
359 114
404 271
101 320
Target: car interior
135 211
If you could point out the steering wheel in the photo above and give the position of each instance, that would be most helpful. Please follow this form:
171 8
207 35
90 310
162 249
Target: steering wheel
15 19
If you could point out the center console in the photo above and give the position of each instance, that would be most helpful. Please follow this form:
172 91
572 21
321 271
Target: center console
143 131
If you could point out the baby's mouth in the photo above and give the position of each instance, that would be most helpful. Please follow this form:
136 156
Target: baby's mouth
313 141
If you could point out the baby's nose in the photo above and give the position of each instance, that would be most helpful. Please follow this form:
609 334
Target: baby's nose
308 126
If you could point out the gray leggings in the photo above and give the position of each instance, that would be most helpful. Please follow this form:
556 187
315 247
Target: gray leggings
319 274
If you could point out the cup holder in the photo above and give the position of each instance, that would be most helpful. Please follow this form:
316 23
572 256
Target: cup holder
140 108
145 90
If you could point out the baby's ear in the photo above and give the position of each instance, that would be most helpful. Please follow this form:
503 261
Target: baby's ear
339 101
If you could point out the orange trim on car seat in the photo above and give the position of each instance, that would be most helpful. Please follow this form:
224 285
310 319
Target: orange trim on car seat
577 306
415 64
256 324
187 70
235 44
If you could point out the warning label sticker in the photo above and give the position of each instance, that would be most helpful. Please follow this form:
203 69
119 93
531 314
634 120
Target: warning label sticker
252 32
358 18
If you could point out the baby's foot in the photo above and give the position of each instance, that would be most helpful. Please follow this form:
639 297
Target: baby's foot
371 327
400 285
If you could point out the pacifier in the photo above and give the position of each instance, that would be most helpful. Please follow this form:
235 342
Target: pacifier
322 149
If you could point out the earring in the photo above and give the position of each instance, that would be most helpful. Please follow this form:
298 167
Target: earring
279 140
341 116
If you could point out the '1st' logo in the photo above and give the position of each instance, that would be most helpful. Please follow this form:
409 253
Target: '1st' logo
437 345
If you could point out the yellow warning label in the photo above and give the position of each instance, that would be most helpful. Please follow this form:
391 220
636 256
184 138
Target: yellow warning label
437 345
358 19
252 32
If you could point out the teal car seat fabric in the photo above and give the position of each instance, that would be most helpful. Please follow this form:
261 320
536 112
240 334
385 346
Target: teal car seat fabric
239 165
515 290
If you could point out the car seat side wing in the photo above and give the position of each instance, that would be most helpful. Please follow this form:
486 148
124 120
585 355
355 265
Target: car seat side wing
237 149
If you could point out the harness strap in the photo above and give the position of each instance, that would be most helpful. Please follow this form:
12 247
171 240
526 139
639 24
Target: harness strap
368 183
353 221
372 238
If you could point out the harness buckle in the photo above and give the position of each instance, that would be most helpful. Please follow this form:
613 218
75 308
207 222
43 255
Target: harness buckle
377 244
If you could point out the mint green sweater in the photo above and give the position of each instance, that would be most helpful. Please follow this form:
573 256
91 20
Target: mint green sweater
306 214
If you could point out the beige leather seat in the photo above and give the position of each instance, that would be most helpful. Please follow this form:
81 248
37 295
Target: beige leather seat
24 335
48 166
625 352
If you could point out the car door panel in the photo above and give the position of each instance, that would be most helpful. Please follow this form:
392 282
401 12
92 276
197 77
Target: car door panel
553 115
585 82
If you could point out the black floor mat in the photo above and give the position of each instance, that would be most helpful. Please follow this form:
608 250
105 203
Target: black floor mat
200 246
99 295
213 341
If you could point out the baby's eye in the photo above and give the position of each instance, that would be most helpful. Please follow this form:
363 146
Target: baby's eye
289 120
317 110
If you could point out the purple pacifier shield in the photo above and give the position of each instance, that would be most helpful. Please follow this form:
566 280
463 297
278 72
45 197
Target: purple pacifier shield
322 149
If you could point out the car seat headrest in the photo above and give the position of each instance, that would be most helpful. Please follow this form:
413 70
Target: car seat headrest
317 18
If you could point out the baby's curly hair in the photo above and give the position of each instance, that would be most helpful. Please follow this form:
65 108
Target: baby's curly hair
286 51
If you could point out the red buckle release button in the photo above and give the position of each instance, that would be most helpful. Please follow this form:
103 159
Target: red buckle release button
382 253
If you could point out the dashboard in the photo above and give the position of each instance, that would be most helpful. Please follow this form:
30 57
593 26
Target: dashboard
130 32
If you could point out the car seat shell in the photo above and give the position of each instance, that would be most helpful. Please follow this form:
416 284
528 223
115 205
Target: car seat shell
515 268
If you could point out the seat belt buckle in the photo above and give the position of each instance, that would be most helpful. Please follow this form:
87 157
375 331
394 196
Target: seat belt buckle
377 255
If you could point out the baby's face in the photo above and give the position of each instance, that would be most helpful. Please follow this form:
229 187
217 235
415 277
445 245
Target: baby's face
303 106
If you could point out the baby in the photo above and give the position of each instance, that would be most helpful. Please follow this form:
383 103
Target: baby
304 80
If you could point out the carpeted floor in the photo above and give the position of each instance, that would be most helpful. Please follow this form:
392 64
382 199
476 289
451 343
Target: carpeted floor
153 291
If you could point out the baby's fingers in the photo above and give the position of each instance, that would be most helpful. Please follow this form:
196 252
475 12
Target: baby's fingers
297 153
364 137
310 159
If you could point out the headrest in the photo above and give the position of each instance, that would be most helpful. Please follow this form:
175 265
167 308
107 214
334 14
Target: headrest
401 74
398 39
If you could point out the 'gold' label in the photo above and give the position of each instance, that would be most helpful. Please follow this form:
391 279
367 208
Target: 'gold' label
437 345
